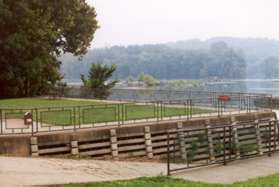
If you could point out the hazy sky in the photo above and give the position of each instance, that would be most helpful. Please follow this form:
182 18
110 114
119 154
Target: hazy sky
125 22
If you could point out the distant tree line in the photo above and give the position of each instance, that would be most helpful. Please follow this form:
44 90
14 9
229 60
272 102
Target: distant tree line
162 62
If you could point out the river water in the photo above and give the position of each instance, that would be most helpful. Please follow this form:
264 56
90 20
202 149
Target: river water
267 86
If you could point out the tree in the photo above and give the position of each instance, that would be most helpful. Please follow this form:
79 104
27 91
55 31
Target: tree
98 80
33 34
148 80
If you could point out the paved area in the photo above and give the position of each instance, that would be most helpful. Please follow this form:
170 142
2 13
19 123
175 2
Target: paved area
38 171
235 171
34 171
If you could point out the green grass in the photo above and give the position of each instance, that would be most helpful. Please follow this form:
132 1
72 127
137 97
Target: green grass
88 111
41 102
269 181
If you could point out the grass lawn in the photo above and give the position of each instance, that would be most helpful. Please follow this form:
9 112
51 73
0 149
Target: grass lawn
62 112
41 102
269 181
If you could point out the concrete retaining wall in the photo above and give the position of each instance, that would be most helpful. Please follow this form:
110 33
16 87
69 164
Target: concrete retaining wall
147 139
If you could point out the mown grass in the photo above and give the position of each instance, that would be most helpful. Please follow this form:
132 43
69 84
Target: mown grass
43 102
268 181
89 111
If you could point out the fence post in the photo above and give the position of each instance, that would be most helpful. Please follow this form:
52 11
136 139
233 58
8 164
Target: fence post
275 138
37 120
168 153
191 108
1 121
259 139
210 143
74 147
148 142
236 141
74 120
224 146
113 143
34 146
162 110
181 137
269 139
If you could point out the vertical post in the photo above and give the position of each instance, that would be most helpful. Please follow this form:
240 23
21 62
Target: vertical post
148 142
230 142
269 139
247 104
191 108
74 120
224 146
162 114
123 113
236 141
188 109
239 103
113 143
79 117
1 121
258 136
181 137
118 114
37 120
274 136
74 147
32 125
168 153
210 143
157 110
34 146
218 106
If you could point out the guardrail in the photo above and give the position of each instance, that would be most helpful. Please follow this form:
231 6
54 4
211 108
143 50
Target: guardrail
147 95
92 116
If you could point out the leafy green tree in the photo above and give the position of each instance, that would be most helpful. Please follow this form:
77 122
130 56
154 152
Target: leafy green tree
98 82
33 34
148 80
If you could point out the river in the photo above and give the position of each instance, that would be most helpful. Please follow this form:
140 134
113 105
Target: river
268 86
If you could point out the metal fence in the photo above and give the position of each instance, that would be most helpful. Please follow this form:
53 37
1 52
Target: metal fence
167 95
90 116
147 95
192 148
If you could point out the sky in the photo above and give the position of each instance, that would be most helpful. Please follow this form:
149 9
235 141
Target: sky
128 22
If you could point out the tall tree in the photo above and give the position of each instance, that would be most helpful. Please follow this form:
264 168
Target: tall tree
98 82
33 34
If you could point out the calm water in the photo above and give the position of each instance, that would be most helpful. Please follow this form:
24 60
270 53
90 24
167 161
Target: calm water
254 86
268 86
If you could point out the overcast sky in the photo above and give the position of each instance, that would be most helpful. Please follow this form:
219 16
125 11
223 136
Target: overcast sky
125 22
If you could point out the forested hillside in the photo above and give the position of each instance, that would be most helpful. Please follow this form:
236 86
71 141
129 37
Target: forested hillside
258 53
162 61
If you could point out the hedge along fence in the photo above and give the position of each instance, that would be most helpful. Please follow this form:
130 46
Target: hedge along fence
190 148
